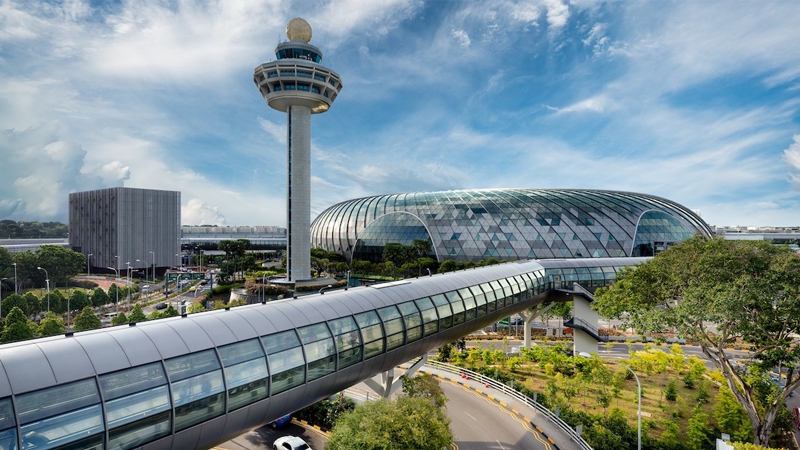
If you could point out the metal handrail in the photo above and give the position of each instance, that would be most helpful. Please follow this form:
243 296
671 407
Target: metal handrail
460 371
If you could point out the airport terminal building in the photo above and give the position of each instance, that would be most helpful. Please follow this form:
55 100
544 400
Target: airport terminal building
508 224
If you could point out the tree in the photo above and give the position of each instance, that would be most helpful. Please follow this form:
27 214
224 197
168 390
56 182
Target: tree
119 319
51 325
14 301
424 386
402 424
61 263
17 327
6 269
99 297
749 290
730 417
671 391
195 307
86 320
448 265
137 315
33 304
58 303
78 300
113 293
698 431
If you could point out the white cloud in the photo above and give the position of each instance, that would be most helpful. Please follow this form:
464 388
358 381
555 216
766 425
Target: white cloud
596 104
275 130
461 37
197 212
557 13
792 156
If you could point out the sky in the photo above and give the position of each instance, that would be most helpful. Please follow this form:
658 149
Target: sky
695 101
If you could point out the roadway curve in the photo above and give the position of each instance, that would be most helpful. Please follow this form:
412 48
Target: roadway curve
478 423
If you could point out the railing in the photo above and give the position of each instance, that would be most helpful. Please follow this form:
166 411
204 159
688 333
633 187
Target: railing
580 324
491 382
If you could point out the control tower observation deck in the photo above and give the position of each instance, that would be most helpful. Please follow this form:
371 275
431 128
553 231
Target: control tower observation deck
298 85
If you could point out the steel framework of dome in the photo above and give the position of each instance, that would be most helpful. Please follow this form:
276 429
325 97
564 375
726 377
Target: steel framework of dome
469 225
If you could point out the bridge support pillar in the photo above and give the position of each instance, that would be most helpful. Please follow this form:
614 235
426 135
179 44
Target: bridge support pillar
385 384
585 321
527 317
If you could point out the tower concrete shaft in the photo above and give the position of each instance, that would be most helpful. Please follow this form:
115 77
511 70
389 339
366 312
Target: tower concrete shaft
298 85
298 205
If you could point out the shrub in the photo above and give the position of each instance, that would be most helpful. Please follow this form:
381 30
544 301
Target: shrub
671 392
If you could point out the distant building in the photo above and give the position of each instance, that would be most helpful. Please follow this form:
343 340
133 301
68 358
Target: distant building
120 225
209 237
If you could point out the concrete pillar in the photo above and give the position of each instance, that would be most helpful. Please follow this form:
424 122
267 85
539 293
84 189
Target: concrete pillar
527 317
298 214
583 341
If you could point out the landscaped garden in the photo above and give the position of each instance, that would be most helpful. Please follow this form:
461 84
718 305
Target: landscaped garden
685 405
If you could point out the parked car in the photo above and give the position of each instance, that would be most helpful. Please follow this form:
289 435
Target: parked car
290 443
161 305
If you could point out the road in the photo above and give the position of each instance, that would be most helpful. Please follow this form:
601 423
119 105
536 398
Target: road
480 424
262 438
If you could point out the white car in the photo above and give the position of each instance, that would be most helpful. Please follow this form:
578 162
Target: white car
290 443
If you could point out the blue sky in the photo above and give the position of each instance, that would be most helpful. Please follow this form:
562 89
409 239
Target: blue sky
698 102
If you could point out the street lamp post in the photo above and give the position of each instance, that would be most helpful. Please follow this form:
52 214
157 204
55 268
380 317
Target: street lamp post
88 269
116 291
47 282
128 285
16 290
638 411
153 254
1 296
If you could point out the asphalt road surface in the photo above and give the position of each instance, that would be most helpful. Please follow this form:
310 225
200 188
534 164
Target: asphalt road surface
480 424
262 438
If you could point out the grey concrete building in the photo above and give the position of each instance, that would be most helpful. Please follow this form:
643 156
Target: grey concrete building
120 225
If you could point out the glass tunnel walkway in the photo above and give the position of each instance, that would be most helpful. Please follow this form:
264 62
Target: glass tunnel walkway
198 380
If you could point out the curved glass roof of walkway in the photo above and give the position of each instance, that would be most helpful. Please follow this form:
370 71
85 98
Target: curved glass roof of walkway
195 381
508 224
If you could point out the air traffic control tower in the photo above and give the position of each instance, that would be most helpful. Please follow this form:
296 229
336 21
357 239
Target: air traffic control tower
297 84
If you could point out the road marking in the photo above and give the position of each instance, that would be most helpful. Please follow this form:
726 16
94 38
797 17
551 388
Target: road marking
501 445
470 416
525 425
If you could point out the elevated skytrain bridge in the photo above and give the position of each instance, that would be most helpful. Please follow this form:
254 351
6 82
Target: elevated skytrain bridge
195 381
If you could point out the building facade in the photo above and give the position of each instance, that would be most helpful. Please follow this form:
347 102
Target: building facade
122 225
469 225
261 237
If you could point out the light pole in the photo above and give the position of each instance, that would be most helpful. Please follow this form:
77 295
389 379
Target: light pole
1 296
128 285
88 269
638 411
116 291
153 254
16 290
47 281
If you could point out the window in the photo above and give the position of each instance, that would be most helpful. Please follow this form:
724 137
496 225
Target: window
246 373
319 76
286 362
137 405
319 350
412 319
469 303
348 341
198 392
499 294
393 325
371 333
444 311
272 74
60 416
480 300
8 431
457 305
303 73
429 317
491 300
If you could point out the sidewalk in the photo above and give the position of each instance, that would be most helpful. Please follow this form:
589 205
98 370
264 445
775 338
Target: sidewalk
551 432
